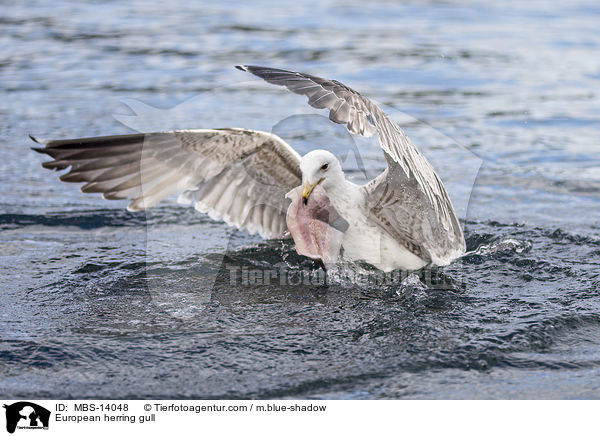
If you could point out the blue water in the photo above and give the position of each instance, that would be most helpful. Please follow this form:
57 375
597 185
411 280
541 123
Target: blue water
502 97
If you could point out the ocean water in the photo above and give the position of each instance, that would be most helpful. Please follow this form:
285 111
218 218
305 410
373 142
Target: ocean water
502 97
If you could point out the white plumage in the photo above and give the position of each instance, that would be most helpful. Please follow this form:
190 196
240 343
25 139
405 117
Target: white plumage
401 219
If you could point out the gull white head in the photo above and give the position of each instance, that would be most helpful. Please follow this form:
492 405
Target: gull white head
320 167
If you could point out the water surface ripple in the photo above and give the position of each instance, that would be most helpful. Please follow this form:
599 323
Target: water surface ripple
98 302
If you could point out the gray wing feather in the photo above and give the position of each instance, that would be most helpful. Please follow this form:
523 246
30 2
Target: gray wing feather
408 200
236 175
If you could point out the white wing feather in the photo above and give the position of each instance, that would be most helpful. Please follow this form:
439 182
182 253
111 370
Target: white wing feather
408 200
236 175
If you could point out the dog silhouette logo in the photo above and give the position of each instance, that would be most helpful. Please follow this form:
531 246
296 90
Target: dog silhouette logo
26 415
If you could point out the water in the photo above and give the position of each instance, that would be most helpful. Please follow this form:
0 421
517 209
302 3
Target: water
101 303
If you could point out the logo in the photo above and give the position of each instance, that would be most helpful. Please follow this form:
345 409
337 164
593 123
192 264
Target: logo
26 415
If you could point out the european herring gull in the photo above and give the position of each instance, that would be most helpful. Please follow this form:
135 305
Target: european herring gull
255 181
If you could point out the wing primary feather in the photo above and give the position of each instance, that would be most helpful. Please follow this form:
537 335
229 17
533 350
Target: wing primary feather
418 179
224 172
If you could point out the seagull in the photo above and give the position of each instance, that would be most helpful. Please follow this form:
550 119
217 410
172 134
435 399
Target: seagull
255 181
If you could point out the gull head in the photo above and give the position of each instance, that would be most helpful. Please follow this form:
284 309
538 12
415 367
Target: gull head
320 167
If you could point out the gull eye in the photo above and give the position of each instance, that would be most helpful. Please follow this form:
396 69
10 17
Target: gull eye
325 166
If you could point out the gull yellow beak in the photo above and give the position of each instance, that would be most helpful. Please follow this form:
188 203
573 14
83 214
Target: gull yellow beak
308 189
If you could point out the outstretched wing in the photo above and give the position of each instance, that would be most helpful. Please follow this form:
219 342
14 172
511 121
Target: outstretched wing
432 229
237 175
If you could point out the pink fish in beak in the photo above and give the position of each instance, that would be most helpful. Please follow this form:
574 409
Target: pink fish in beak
316 226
